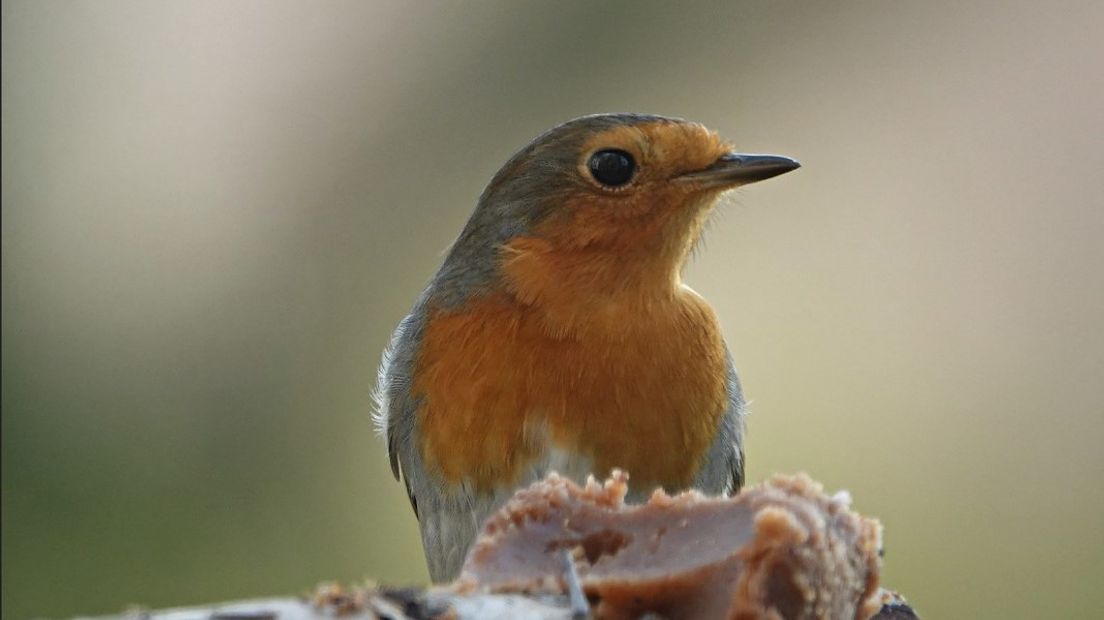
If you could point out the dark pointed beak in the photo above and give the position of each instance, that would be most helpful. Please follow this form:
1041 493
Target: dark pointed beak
736 169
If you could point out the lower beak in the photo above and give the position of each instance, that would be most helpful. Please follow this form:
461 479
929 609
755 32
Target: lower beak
736 169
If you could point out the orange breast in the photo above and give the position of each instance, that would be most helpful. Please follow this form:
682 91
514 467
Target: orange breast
498 390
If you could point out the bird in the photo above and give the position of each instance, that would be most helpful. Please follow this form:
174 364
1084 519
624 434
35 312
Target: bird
557 334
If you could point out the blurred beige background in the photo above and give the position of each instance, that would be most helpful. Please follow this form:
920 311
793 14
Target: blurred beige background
214 213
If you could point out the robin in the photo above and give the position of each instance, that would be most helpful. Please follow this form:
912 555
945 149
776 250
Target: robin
558 336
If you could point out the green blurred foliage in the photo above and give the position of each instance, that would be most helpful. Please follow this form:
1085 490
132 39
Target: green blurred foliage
214 213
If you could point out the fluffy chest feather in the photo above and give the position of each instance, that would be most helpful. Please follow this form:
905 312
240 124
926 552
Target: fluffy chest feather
499 392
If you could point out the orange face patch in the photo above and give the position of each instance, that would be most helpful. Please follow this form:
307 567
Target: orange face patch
651 213
627 243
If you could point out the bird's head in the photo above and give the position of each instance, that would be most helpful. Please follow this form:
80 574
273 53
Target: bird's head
609 203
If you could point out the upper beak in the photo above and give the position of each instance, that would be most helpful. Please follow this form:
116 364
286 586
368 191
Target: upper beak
736 169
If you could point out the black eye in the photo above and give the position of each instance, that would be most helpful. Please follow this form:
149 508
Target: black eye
611 167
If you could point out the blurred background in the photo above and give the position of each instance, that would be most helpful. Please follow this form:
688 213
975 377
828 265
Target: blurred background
214 214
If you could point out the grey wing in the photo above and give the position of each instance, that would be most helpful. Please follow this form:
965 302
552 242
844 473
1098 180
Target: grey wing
448 521
723 469
395 404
